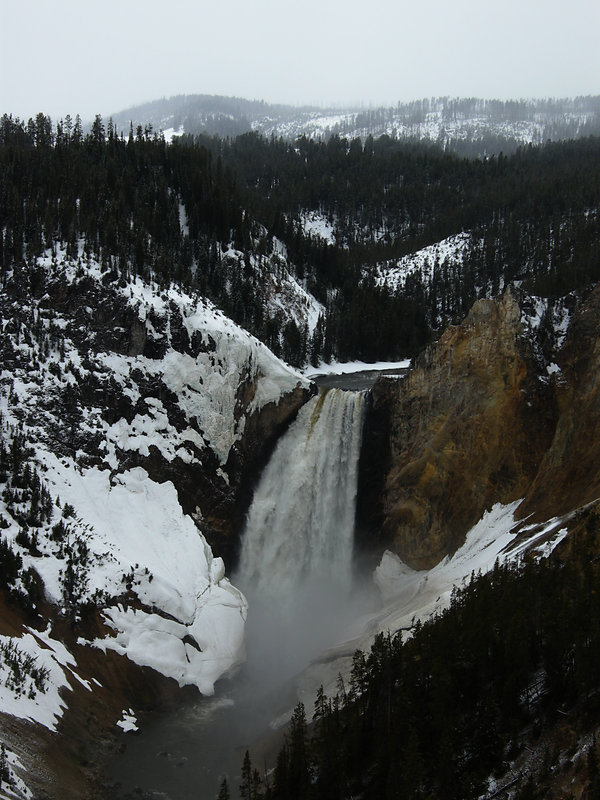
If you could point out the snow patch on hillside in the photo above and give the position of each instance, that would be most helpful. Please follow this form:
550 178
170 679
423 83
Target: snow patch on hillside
283 295
206 385
393 274
171 133
436 125
140 541
417 594
33 669
319 225
128 722
13 785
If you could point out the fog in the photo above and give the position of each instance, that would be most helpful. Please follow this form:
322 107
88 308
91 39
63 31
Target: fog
186 752
284 638
72 57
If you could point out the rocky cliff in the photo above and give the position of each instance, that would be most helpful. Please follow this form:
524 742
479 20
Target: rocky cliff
568 476
123 375
503 407
133 422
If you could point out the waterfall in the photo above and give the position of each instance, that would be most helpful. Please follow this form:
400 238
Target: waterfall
301 522
296 557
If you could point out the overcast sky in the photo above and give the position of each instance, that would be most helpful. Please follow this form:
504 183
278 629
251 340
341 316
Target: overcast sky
75 56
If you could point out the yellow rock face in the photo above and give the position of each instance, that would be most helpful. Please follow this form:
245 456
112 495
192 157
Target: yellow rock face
469 428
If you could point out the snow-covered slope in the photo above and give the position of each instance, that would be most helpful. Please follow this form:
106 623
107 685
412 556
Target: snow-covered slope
191 623
448 252
439 125
283 296
318 225
98 379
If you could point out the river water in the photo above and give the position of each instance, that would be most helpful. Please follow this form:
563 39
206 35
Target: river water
357 381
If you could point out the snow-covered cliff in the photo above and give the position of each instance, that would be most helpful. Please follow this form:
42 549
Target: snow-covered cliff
108 391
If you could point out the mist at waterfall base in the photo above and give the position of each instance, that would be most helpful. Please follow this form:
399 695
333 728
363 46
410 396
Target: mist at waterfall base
295 569
296 561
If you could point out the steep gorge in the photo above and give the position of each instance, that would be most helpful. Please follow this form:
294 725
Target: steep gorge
498 410
140 409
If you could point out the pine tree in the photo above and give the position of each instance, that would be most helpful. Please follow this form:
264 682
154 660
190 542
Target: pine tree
250 787
4 767
299 766
224 791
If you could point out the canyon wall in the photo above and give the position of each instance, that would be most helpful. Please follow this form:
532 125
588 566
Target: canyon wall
504 406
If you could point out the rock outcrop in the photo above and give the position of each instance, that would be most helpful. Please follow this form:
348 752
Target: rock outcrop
482 419
569 473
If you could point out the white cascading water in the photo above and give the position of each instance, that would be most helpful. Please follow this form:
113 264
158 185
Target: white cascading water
296 558
301 522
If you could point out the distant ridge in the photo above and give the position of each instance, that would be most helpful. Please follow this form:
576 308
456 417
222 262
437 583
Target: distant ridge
469 126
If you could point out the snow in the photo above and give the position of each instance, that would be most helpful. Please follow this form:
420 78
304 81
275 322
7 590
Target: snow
13 787
452 250
316 224
283 294
26 699
409 595
342 368
390 576
435 125
562 319
555 316
128 721
138 532
206 386
291 300
420 593
171 133
183 220
532 318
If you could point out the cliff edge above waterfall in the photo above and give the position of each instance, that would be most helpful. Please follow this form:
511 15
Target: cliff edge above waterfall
503 407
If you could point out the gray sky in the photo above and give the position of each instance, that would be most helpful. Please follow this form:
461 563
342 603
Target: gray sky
74 56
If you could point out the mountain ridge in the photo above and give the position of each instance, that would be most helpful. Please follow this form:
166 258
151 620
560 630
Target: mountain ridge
467 125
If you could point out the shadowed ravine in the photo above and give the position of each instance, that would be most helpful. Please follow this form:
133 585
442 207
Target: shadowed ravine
296 571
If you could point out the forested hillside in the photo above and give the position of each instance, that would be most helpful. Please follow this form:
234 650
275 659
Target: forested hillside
498 692
465 125
229 219
138 410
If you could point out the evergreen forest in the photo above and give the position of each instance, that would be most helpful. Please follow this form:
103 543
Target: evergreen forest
496 686
174 213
